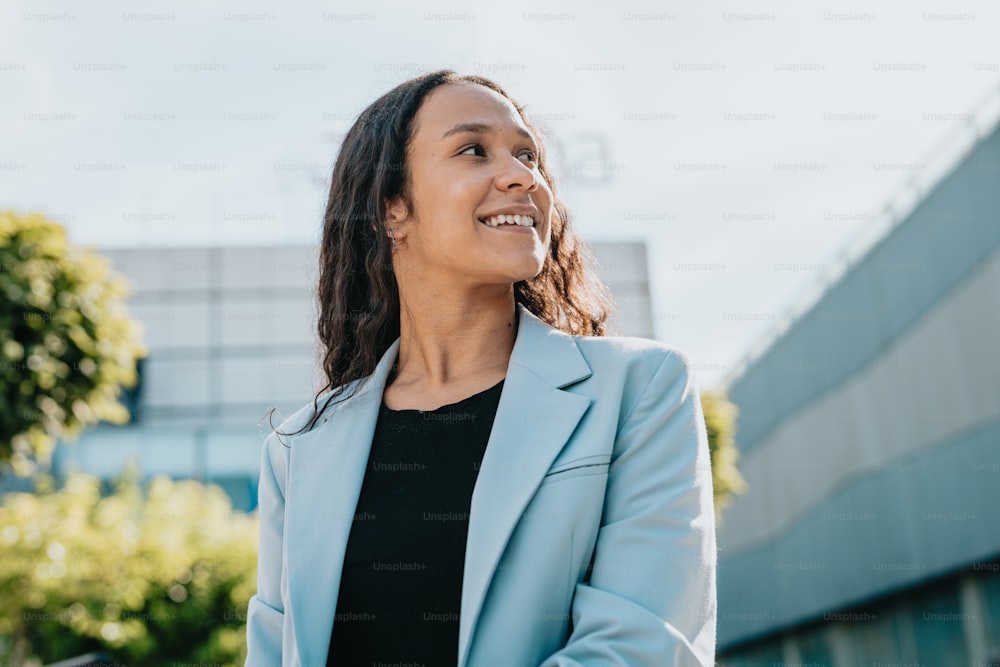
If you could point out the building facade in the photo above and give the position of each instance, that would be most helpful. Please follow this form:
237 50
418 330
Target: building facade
869 434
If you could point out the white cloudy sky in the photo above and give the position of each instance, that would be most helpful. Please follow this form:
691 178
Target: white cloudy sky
774 132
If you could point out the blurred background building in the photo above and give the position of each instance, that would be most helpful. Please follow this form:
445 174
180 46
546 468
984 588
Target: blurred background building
869 432
231 335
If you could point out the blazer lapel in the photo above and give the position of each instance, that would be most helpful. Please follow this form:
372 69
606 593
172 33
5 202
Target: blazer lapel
326 468
534 421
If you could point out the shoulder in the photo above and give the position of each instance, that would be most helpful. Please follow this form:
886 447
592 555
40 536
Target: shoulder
300 421
642 357
638 371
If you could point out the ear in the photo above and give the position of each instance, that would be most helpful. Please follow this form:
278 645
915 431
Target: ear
396 212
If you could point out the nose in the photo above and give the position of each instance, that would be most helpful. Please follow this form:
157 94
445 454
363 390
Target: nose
513 173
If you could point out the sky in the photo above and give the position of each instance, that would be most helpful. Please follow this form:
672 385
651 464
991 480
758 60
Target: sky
749 144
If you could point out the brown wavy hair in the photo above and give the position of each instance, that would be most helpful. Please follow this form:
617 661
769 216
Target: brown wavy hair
357 293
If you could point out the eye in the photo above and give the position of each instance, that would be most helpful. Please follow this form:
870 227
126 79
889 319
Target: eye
481 152
532 156
477 147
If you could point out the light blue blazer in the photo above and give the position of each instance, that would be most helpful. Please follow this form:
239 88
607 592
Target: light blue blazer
598 457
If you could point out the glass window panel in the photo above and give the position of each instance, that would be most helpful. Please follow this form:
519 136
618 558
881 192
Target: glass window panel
239 489
938 629
876 641
989 588
814 647
764 653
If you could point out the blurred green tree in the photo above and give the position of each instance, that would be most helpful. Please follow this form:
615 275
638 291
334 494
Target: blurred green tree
154 576
720 422
67 344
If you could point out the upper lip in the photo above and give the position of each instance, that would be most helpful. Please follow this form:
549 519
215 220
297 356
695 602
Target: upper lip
515 210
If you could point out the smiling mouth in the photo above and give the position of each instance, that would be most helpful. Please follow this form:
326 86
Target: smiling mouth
508 220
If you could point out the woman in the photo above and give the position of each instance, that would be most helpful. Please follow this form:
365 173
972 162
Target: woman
489 480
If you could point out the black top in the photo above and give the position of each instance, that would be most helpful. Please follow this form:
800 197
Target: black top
401 588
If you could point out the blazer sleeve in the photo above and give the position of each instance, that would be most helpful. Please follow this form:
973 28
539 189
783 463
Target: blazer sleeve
651 597
265 613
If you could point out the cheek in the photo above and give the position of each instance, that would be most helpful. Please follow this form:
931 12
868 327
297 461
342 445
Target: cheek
553 215
454 193
547 198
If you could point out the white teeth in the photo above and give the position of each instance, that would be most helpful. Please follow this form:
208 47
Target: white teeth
522 220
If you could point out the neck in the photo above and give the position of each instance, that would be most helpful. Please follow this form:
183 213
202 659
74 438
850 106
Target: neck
448 337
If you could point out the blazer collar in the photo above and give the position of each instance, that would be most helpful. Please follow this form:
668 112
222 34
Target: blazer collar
534 420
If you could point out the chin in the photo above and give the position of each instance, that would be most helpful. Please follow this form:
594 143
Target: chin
516 273
523 276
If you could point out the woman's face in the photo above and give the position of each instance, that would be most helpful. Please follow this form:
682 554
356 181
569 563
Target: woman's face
471 156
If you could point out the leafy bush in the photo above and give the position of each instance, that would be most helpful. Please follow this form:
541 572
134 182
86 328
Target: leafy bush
67 344
151 576
163 573
720 422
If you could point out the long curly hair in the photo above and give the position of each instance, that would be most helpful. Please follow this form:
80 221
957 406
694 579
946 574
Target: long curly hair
358 298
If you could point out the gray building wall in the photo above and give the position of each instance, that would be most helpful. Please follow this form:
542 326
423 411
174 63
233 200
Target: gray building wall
870 435
230 333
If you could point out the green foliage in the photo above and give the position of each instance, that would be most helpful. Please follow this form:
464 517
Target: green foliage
163 574
720 422
67 344
153 576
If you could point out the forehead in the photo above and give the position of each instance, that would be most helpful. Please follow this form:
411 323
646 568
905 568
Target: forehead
451 104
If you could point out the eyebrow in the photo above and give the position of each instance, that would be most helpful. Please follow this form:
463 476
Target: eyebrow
483 128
